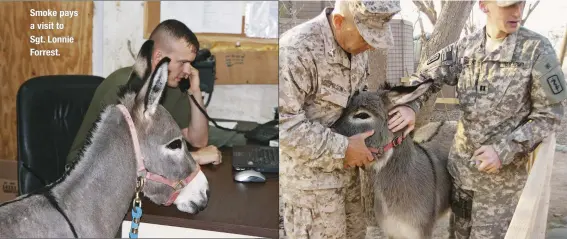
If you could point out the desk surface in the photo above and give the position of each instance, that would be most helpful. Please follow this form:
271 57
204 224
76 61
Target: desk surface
240 208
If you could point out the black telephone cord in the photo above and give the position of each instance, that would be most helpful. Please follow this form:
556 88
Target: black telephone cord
214 122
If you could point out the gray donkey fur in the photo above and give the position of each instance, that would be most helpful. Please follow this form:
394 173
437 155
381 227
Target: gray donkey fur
411 183
96 193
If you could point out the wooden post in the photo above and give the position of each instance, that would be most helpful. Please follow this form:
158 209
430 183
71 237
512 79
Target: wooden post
151 17
530 217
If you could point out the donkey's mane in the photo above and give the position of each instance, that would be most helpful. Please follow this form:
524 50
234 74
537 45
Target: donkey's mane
133 86
123 91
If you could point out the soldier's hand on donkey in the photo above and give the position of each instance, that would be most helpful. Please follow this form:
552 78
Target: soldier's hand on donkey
487 159
402 116
357 153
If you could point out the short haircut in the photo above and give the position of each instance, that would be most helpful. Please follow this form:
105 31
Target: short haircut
171 29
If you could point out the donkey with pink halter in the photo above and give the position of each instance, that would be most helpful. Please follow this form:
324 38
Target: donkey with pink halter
136 147
144 174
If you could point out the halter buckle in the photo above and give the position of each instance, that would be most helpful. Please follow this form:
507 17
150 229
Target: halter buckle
396 141
179 185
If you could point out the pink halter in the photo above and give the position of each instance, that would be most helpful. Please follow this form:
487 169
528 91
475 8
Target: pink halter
143 172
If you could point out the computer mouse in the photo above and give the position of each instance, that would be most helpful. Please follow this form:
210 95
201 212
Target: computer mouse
247 176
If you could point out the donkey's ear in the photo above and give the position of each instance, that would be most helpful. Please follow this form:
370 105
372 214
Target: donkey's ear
150 94
399 95
142 66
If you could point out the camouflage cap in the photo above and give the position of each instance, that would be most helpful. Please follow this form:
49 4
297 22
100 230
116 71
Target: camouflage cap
371 19
506 3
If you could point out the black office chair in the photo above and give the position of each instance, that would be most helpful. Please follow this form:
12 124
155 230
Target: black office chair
50 110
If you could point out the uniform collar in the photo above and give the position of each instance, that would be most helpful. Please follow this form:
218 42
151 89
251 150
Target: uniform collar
504 53
333 52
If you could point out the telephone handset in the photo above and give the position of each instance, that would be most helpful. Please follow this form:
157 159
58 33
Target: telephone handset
202 55
184 85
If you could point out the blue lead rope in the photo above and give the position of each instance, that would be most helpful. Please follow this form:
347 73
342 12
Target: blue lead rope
136 216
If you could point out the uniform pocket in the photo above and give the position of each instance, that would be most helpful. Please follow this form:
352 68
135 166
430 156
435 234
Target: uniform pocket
334 96
297 221
461 202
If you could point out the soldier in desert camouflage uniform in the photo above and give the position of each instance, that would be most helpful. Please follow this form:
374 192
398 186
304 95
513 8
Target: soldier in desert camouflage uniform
510 87
321 66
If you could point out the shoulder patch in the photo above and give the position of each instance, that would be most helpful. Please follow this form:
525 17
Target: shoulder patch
434 58
551 79
555 84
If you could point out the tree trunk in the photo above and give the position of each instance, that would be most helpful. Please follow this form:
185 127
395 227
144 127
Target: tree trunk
377 61
447 30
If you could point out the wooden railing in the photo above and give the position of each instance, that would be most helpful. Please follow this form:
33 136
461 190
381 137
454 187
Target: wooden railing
530 217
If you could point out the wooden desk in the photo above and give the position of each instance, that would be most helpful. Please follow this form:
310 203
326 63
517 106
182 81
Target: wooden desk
239 208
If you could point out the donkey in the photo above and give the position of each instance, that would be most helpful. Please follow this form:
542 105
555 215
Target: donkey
135 147
411 183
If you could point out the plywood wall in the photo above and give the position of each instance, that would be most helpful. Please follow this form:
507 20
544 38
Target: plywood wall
17 65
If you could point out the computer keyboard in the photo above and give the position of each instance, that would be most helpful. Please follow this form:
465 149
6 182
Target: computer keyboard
259 158
266 156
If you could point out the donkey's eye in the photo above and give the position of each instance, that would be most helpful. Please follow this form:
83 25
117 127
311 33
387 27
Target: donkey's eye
175 144
361 116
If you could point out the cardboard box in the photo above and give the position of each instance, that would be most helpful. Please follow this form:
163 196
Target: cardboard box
242 60
8 180
246 67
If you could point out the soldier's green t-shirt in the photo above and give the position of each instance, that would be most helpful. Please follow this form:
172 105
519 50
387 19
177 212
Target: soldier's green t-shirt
174 101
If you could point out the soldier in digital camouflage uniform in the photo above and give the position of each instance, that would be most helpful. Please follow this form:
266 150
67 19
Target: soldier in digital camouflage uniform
510 87
320 68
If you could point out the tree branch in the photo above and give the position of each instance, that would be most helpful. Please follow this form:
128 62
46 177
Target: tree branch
428 8
530 10
429 4
423 37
